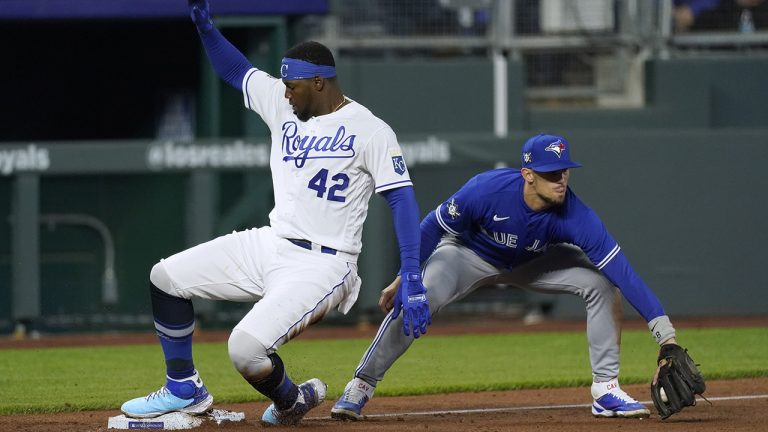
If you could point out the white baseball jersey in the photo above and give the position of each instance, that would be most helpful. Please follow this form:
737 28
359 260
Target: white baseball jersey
325 169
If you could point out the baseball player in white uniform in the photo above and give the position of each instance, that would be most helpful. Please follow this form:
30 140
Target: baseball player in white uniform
329 153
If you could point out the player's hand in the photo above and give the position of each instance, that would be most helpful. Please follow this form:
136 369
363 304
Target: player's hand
201 15
387 299
662 362
411 298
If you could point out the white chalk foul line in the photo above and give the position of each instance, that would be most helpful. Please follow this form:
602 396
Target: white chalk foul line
526 408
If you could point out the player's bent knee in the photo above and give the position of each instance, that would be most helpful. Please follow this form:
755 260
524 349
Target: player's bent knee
160 279
249 356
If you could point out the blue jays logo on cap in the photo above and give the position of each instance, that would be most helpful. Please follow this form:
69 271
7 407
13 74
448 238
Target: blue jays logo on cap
546 153
556 148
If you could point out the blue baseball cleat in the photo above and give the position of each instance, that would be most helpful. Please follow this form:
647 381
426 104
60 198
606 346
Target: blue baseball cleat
611 401
163 401
350 405
311 394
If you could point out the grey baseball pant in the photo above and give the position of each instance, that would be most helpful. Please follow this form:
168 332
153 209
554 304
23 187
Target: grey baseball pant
453 271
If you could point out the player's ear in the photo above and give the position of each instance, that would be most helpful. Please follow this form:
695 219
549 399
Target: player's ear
318 83
527 174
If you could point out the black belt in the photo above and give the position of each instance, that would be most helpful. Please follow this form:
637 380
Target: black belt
306 244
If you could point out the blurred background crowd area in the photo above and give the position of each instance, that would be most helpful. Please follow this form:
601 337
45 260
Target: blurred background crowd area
119 145
474 17
574 51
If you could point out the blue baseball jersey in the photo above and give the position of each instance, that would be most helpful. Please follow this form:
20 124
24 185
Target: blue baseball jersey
489 215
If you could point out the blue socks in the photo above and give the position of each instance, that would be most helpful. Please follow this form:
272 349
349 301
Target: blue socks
185 389
175 323
277 386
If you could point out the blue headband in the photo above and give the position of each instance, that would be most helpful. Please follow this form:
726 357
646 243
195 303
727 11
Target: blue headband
293 69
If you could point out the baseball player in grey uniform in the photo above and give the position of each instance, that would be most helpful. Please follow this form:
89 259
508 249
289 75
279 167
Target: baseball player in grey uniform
328 155
528 229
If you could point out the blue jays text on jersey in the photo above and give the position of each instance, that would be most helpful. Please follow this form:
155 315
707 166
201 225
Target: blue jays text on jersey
489 215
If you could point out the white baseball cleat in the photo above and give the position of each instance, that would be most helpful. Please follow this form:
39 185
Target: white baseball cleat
609 400
350 404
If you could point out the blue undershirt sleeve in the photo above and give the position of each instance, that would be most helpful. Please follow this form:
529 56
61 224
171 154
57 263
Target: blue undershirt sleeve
585 229
637 293
431 233
228 62
405 212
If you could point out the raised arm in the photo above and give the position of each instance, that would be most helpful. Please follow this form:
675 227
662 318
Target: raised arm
228 62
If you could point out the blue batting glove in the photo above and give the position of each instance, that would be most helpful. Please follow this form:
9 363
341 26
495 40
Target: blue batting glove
411 297
201 15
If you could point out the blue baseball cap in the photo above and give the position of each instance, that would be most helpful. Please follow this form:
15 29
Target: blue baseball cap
546 153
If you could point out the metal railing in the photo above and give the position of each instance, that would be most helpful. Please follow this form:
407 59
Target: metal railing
564 44
109 292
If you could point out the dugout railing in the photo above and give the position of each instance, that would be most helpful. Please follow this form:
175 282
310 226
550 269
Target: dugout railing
574 52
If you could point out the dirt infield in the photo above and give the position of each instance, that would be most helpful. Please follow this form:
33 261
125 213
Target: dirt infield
737 405
520 411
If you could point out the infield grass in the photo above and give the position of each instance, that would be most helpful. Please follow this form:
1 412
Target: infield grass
73 379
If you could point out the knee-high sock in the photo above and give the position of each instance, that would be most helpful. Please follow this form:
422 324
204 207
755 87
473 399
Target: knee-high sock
277 386
175 323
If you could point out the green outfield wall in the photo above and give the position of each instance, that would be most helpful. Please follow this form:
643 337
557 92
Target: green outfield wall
685 205
678 182
445 96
